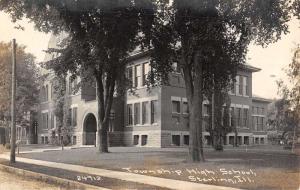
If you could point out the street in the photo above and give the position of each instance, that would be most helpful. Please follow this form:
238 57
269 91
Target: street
9 181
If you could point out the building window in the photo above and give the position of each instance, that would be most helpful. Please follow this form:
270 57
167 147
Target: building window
255 123
237 79
138 75
146 70
261 123
43 140
144 140
176 140
52 120
44 94
206 122
239 116
46 140
154 106
136 139
74 140
175 106
130 114
137 113
231 116
145 112
130 76
69 117
74 116
241 85
245 118
185 107
262 111
231 140
208 140
51 92
186 139
262 140
47 94
246 140
246 86
232 88
45 120
206 109
258 123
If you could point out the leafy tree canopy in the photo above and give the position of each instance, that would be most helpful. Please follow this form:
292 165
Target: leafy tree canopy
209 40
100 36
27 85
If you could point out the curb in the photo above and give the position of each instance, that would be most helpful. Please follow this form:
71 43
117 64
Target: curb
69 184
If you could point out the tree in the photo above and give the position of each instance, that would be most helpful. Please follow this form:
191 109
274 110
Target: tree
27 84
100 36
204 35
291 95
296 8
61 107
221 120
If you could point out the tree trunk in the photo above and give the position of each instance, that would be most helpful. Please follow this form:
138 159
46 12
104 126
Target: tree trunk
102 138
105 99
235 137
194 91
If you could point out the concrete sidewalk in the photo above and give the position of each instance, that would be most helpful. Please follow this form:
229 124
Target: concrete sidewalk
156 181
32 149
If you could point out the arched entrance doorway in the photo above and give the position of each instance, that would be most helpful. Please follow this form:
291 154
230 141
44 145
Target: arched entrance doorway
90 129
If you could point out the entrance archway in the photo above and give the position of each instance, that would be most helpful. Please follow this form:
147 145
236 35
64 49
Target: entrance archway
90 129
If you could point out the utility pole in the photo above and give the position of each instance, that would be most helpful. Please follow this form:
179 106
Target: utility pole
13 105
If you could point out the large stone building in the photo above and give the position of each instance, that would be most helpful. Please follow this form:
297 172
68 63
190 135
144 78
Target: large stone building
155 118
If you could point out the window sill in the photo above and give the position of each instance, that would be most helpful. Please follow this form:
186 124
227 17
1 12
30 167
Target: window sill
143 125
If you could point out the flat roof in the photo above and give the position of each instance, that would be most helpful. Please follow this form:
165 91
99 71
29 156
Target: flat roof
250 68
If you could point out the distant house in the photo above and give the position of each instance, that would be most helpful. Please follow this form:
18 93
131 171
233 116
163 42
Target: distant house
155 118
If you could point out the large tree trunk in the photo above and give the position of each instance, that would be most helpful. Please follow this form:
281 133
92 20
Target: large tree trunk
196 143
105 100
102 138
194 92
101 127
218 105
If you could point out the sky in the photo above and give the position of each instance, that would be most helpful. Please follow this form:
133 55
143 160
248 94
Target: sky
271 60
34 41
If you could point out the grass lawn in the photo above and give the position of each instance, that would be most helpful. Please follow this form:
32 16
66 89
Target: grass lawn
247 170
